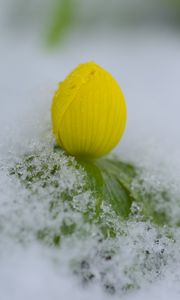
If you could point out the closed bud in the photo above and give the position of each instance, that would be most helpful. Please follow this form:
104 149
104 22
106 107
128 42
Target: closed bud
88 112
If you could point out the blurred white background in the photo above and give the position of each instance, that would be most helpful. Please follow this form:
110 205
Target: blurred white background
138 42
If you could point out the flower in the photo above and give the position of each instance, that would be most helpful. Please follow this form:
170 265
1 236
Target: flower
88 112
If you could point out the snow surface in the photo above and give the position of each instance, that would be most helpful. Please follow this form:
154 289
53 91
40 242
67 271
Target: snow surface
146 64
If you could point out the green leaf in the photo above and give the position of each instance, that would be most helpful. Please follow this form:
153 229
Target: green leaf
118 177
95 182
111 180
61 20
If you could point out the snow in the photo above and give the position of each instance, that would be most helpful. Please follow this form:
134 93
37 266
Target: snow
146 63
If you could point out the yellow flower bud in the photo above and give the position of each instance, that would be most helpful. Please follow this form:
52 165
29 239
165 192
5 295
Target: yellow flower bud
88 112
